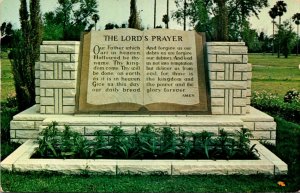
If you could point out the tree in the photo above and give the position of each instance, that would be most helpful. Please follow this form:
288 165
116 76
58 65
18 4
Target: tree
6 35
281 8
26 53
134 20
72 17
95 18
273 14
165 19
286 38
296 19
221 19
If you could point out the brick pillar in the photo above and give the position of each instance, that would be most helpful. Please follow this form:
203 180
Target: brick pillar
57 76
229 77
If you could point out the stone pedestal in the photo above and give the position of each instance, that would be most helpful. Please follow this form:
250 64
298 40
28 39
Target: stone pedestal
230 92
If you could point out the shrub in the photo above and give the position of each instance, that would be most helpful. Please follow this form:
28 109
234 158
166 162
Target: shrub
148 143
8 110
275 106
292 96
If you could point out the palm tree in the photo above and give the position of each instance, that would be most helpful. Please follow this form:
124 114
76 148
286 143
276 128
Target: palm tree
95 18
184 15
281 8
165 19
167 24
154 26
296 19
273 14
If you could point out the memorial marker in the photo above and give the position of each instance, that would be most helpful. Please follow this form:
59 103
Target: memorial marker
153 71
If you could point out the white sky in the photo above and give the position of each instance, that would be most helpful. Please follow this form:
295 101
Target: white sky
117 11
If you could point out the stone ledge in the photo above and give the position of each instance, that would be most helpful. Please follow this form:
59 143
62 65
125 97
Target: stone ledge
268 164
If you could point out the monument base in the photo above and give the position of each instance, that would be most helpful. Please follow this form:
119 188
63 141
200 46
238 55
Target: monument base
27 124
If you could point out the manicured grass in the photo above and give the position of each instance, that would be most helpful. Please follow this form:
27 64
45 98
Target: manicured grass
275 75
7 81
62 183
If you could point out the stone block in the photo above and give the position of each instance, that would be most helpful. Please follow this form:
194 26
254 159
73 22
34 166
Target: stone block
37 74
143 167
50 110
237 93
74 57
27 134
237 110
249 125
228 84
225 44
67 49
37 99
217 101
47 101
49 75
58 57
69 92
46 66
217 110
69 101
213 76
220 75
102 167
230 58
68 109
261 134
273 134
12 133
217 93
265 125
58 84
66 75
211 58
219 67
49 92
198 129
21 125
48 49
218 49
77 43
90 130
42 92
42 57
69 66
245 59
73 75
238 50
237 76
239 102
240 68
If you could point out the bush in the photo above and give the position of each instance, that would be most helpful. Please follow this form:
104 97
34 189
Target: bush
8 110
148 143
292 96
275 106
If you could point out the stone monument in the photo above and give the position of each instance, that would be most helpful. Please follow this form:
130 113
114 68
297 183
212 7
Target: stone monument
134 78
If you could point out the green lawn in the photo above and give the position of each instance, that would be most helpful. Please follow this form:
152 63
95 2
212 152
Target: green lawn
275 75
7 82
206 183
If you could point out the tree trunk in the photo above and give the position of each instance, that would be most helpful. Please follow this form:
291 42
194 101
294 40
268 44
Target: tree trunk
154 25
278 52
184 15
167 14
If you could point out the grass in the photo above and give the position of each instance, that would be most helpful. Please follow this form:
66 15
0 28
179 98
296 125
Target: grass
206 183
275 75
7 81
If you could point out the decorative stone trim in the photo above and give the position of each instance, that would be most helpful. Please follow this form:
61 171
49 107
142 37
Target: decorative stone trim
230 78
268 164
56 77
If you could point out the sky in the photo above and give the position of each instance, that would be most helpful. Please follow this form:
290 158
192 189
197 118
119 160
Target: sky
117 11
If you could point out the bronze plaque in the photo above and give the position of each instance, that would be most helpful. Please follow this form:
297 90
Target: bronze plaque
156 71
